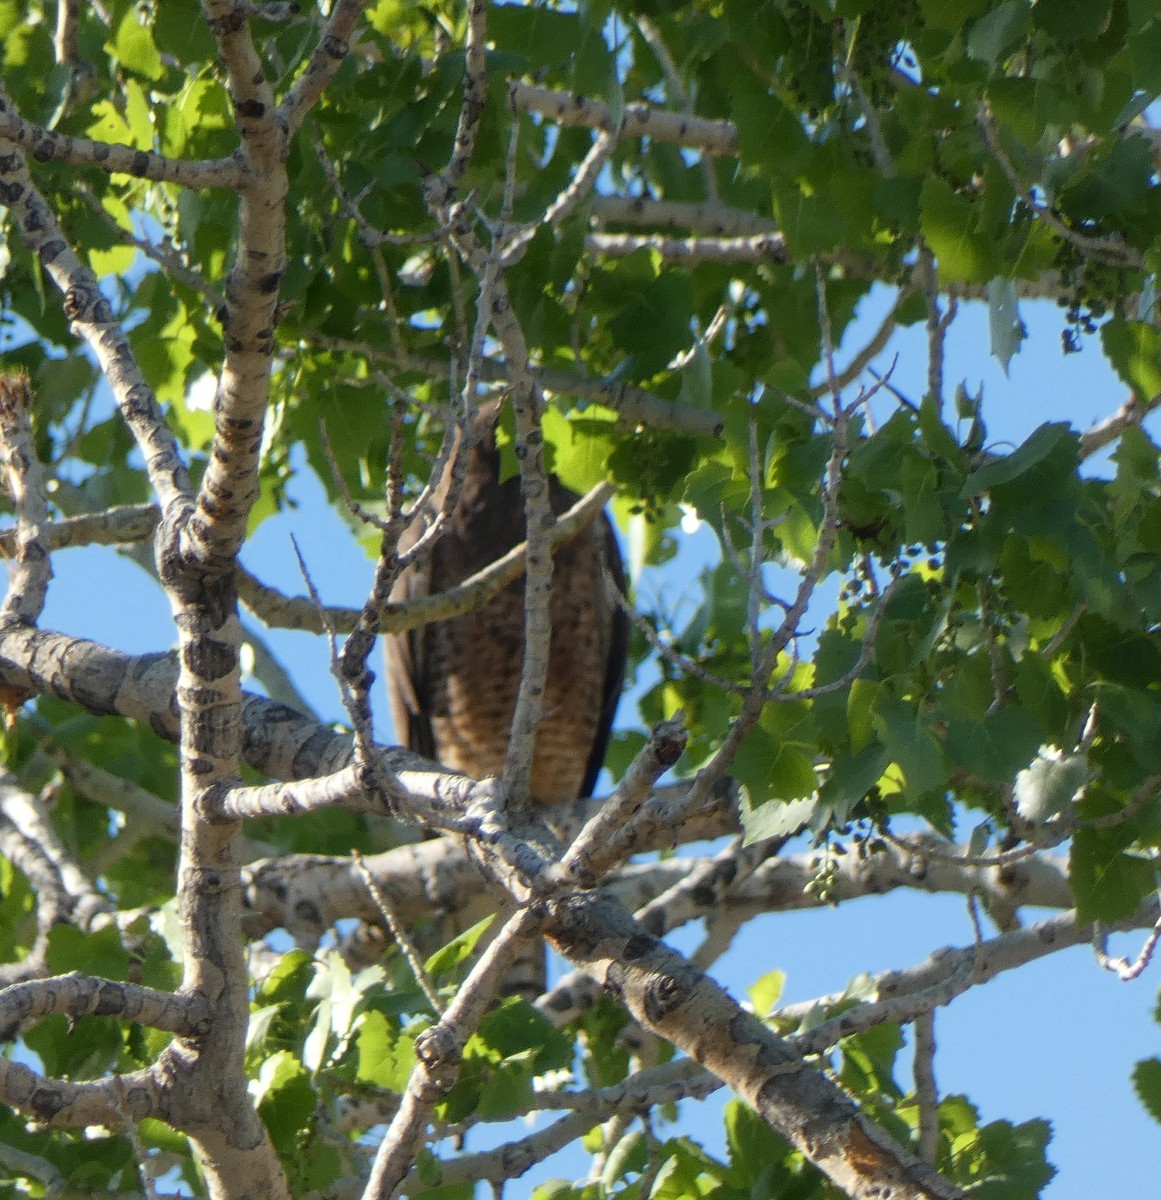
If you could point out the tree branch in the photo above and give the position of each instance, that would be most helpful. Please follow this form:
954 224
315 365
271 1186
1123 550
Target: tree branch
76 996
24 476
91 317
637 119
113 158
635 405
667 996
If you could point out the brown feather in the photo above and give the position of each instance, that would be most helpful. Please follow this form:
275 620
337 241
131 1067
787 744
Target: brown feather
453 683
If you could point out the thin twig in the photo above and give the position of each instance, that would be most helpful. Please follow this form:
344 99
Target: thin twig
926 1090
1110 248
1122 967
401 936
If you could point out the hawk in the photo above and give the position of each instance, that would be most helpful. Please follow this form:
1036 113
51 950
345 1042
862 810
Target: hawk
453 683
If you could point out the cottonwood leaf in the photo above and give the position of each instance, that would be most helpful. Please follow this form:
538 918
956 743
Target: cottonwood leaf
1049 784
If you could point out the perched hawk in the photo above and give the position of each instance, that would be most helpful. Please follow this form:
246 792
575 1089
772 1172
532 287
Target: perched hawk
453 683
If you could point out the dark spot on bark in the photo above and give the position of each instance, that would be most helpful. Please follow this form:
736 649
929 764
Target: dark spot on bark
663 994
139 401
273 713
36 216
195 697
638 947
10 193
89 690
580 934
741 1030
139 1100
210 659
110 1000
46 1103
310 752
654 922
306 911
269 282
199 766
74 302
251 109
334 46
229 23
615 981
43 149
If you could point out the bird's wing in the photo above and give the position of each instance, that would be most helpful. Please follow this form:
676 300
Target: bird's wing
407 685
616 653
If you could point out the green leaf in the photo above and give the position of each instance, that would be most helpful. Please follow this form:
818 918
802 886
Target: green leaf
775 818
385 1056
262 1020
697 385
939 438
133 45
1006 328
754 1149
915 748
1015 1159
765 993
686 1171
1114 185
1134 349
1035 449
285 1098
545 38
515 1029
1108 883
912 625
1049 784
999 32
1147 1084
850 778
808 217
84 1049
458 950
289 980
869 1062
655 325
180 30
1145 52
98 952
773 769
948 224
580 446
997 747
1073 20
200 118
157 1135
861 711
